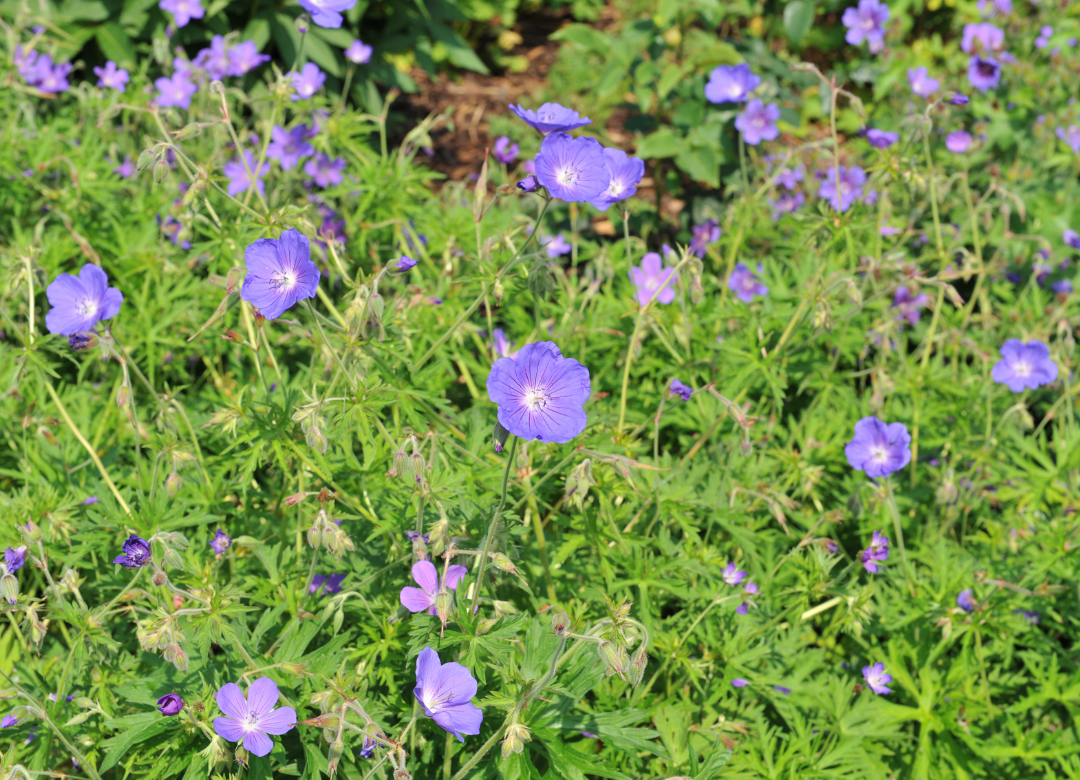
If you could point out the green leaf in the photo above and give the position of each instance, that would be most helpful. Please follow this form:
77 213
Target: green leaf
115 43
798 19
585 37
662 143
614 727
137 728
459 52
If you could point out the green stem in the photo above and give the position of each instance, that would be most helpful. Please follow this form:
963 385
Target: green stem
899 533
479 754
493 525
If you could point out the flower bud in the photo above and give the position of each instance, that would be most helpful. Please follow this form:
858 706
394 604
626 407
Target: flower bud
401 463
560 623
180 659
516 737
501 562
80 718
317 440
296 670
172 558
578 483
123 396
501 435
85 702
337 747
161 170
10 587
443 603
636 669
313 537
30 531
529 184
417 466
146 159
614 658
328 721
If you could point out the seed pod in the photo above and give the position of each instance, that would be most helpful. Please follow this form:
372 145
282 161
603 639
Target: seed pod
337 747
636 670
613 658
443 603
10 587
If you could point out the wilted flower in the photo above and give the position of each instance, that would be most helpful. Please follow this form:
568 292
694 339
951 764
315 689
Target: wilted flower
866 23
403 263
572 169
136 553
731 84
279 273
551 118
288 146
625 172
650 277
757 122
877 551
358 52
221 542
876 678
1024 366
242 175
170 704
183 11
81 302
878 449
8 721
252 719
851 181
540 393
504 151
15 558
112 77
327 13
529 184
922 83
503 347
444 691
745 284
739 682
425 575
964 600
307 82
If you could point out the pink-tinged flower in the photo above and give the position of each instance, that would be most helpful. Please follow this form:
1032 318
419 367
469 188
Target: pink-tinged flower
279 273
358 52
444 691
327 13
850 190
879 449
625 172
732 575
289 146
745 284
242 175
81 302
556 246
877 551
757 122
876 678
136 553
984 37
324 171
170 704
907 305
250 720
112 77
1024 366
866 22
958 141
551 118
183 11
425 574
540 393
984 73
1070 136
214 59
175 90
307 82
731 84
244 57
652 277
221 542
504 151
572 169
922 83
678 390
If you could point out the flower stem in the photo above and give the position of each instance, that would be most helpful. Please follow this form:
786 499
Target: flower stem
479 754
899 532
493 525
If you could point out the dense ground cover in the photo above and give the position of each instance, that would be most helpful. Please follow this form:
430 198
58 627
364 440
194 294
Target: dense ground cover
788 501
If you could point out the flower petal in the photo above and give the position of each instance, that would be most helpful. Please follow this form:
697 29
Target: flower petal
461 719
262 696
231 700
416 600
454 574
426 576
257 743
427 670
227 728
278 721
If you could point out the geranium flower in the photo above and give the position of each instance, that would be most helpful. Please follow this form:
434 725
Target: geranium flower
444 691
279 273
250 720
540 393
81 302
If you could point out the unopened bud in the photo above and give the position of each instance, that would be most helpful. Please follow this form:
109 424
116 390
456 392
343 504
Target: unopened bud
232 335
317 440
313 537
516 737
501 435
337 747
172 558
30 531
417 466
10 587
746 447
443 604
293 669
503 563
327 721
181 659
614 658
160 577
636 669
173 483
80 718
401 463
85 702
560 623
123 396
146 159
161 170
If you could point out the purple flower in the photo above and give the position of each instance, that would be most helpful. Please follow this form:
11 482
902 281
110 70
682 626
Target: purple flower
308 81
126 169
757 122
787 203
876 679
504 151
279 273
288 146
557 246
983 37
503 347
444 691
1062 287
136 553
324 171
358 52
183 11
15 558
959 100
327 13
330 583
1024 366
215 59
551 118
80 302
851 183
708 232
881 139
731 84
404 263
529 184
1071 238
908 306
732 575
782 690
540 393
91 500
984 74
221 542
173 228
745 284
572 169
252 719
877 448
1030 616
866 22
922 83
111 77
958 141
789 178
964 601
625 172
877 551
242 176
170 704
175 90
8 721
52 78
425 574
1045 34
26 64
244 57
1071 136
739 682
679 390
650 278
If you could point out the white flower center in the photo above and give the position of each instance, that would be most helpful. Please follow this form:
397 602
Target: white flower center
879 453
283 280
615 189
566 176
1022 368
87 307
251 722
536 398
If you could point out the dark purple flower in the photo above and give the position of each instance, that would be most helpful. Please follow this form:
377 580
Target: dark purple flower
170 704
708 232
307 82
551 118
279 273
126 169
745 284
324 171
983 38
529 184
877 448
136 553
504 151
404 263
1031 617
959 100
572 169
215 59
173 229
327 13
757 122
881 139
652 277
80 342
253 718
732 575
112 77
15 558
1024 366
1070 136
425 574
731 84
221 542
787 203
540 394
242 176
556 246
679 390
358 52
922 83
244 57
444 691
183 11
984 74
625 172
964 600
958 141
877 551
80 302
866 22
329 583
907 305
851 183
288 146
876 678
739 682
175 91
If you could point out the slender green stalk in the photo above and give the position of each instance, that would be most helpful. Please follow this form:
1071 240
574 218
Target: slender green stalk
493 525
479 754
899 533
